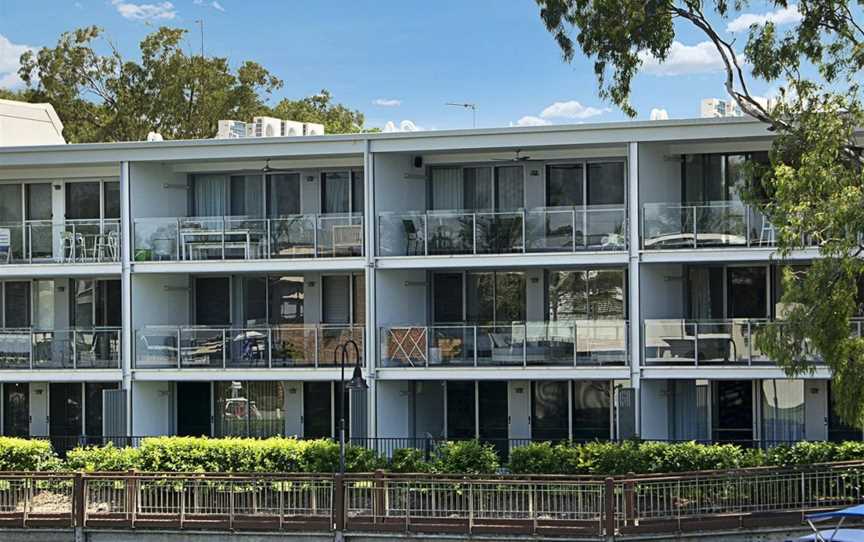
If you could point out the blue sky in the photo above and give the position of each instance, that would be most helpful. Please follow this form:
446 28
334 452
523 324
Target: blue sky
394 60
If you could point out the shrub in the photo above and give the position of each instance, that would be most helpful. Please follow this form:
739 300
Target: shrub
534 458
466 457
409 460
17 454
103 459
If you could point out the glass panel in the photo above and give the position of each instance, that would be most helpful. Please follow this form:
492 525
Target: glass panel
550 230
15 348
499 233
602 342
509 188
43 304
112 200
83 311
98 348
340 235
401 234
567 295
10 204
108 303
93 407
838 430
202 347
255 301
16 410
606 183
39 205
461 410
286 300
549 416
293 237
284 197
212 301
481 297
450 233
247 196
157 347
493 414
670 342
193 409
335 192
733 412
82 200
155 240
510 297
747 289
447 299
592 410
448 192
358 292
564 185
782 411
604 229
293 346
550 343
606 298
357 194
249 409
248 347
478 188
317 410
448 345
65 407
501 345
337 299
16 307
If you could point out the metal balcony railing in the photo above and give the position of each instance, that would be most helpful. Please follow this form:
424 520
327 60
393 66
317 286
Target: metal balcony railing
27 349
709 342
207 347
560 344
547 229
245 238
70 241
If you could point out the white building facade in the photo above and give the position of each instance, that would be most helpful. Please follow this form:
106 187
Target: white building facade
603 282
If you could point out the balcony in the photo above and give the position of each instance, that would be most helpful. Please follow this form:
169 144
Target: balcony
548 229
72 241
241 238
716 224
28 349
260 347
532 344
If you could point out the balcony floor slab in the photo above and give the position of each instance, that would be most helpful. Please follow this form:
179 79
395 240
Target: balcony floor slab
220 374
461 261
728 372
729 254
28 270
61 375
506 373
250 266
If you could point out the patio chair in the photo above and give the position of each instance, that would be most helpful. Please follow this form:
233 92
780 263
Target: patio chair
73 246
413 243
347 236
5 245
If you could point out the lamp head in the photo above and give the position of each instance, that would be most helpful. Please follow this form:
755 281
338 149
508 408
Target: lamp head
357 382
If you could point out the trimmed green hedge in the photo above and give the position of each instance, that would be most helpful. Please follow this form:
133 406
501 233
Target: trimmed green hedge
193 454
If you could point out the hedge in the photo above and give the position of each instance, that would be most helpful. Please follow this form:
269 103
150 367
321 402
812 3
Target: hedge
194 454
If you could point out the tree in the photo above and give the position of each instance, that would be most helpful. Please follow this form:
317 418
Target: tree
320 108
813 189
104 97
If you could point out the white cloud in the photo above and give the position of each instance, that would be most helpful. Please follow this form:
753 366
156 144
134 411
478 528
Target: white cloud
686 59
659 114
10 54
213 4
404 126
530 120
570 110
787 15
387 102
145 12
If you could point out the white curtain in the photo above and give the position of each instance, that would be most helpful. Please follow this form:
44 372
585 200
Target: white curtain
511 186
447 189
782 410
210 195
336 192
688 406
247 196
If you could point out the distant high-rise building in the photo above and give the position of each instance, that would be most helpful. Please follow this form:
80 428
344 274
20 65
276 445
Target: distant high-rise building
715 107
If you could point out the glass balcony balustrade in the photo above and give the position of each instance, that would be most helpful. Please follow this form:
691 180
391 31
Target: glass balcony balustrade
72 241
261 347
243 238
547 229
714 224
556 344
28 349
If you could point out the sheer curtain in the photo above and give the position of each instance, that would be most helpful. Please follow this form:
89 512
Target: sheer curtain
247 196
511 185
782 410
336 192
688 405
210 195
447 191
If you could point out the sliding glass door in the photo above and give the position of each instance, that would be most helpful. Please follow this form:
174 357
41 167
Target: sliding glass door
16 409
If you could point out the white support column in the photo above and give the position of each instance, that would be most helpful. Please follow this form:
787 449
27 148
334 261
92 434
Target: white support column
126 289
371 342
635 314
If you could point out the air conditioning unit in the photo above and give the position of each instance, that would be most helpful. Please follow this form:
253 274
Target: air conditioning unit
291 128
313 129
267 127
231 129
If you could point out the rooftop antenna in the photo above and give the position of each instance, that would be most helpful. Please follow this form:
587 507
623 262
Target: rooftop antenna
201 26
472 107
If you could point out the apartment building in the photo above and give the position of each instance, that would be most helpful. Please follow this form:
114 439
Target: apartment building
560 282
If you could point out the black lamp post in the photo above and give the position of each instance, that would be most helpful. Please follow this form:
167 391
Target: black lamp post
356 383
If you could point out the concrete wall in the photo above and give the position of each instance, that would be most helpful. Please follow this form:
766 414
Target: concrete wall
659 174
152 408
394 414
401 296
662 289
428 408
29 124
394 192
149 196
293 408
160 300
654 397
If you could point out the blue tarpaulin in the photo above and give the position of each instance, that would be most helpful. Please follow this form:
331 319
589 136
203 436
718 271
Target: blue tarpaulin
853 512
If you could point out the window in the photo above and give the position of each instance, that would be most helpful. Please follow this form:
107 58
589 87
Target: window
16 304
782 411
564 185
16 410
606 183
247 194
549 415
286 300
447 302
586 295
461 410
716 177
477 188
493 296
93 407
248 409
747 292
10 204
83 200
590 184
112 199
342 192
592 410
284 195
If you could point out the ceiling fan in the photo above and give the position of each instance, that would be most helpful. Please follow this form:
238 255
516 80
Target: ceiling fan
266 168
517 158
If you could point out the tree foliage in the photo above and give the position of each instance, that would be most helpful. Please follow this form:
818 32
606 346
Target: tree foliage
813 190
106 97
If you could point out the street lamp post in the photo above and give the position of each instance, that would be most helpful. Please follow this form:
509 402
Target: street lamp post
356 383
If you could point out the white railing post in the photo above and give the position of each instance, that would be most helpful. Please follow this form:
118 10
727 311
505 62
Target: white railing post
425 234
179 347
317 345
269 347
315 219
268 242
573 227
747 224
75 348
749 344
524 232
585 228
695 342
525 345
474 330
695 229
32 338
178 242
474 230
224 349
575 347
